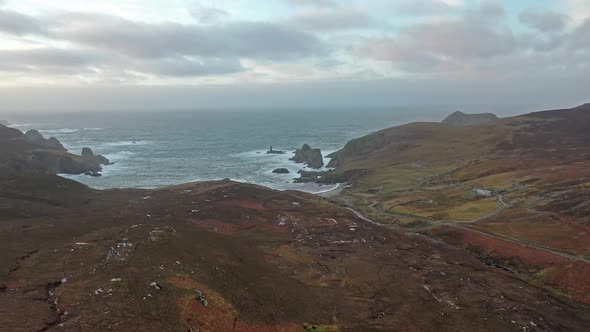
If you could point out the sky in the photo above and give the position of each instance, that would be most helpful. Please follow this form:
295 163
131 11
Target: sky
139 54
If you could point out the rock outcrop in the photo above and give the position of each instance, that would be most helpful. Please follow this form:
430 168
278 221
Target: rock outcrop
89 156
309 156
281 171
32 153
460 119
35 137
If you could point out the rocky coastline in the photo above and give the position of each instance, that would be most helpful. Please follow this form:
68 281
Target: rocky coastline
33 153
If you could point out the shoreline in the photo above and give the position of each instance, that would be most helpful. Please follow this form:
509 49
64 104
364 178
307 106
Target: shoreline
332 192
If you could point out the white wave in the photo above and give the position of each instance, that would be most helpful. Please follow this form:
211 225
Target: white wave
127 143
117 156
93 129
59 131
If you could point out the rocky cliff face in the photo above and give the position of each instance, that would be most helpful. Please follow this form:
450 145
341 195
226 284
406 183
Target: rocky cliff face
32 153
461 119
311 157
35 137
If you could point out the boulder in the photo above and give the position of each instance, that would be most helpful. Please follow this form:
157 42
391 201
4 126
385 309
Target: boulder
309 156
281 171
460 119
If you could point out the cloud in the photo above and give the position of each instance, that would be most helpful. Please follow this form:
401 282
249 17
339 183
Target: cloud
156 40
188 67
205 14
109 45
331 19
426 7
313 3
543 21
49 60
449 42
19 24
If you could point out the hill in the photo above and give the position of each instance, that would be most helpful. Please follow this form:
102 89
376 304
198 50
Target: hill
519 183
221 256
461 119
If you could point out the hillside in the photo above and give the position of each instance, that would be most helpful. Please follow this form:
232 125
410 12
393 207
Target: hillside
514 191
222 256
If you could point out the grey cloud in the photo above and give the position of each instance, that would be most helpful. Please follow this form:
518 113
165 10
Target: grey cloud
19 24
580 37
43 58
231 39
77 61
313 3
490 9
543 21
205 14
186 67
454 44
330 19
423 7
441 42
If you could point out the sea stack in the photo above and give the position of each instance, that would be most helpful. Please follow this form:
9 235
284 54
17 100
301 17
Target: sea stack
309 156
88 155
273 151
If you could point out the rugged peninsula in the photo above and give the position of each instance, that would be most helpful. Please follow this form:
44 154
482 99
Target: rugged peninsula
31 152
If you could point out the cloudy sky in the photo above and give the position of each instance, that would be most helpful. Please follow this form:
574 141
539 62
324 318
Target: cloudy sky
182 53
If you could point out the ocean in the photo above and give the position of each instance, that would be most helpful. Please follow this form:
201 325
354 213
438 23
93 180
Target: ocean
156 149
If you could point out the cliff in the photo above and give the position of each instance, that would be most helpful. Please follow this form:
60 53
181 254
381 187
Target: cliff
31 152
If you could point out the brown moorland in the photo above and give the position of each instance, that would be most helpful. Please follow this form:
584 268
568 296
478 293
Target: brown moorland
204 257
523 180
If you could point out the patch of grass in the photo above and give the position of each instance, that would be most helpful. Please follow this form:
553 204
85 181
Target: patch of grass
472 210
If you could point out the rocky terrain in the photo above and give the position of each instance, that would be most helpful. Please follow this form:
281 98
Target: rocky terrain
461 119
224 256
31 152
309 156
513 192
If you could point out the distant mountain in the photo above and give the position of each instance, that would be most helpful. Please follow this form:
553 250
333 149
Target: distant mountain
462 119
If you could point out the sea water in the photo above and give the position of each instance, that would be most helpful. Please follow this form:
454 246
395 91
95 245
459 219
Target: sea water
160 148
